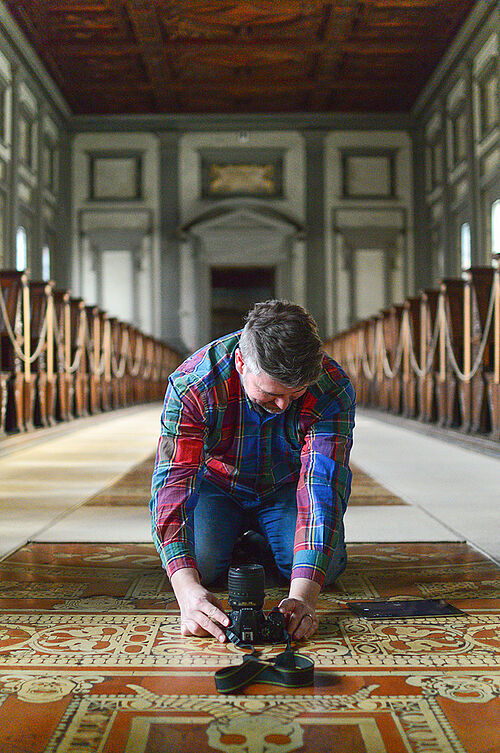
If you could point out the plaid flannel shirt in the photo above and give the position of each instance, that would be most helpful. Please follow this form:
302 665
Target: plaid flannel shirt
209 428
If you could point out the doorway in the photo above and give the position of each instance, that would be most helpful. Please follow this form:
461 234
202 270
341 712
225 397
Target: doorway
234 291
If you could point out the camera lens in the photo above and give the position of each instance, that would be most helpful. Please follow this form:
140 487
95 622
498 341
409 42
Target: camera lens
246 586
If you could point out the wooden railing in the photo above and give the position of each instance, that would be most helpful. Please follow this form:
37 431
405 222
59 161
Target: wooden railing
435 358
61 359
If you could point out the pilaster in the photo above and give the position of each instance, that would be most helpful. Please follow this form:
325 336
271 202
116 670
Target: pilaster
169 240
315 227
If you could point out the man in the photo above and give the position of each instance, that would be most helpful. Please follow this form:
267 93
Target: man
257 426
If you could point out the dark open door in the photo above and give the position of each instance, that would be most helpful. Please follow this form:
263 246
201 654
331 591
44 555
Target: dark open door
234 291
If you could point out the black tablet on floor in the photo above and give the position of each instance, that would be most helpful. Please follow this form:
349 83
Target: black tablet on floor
400 609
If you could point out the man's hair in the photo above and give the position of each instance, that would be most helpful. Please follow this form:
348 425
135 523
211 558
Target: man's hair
281 339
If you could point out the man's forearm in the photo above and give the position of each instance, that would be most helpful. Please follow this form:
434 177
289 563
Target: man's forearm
183 579
305 590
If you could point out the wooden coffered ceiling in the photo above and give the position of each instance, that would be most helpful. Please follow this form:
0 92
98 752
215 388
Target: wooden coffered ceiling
202 56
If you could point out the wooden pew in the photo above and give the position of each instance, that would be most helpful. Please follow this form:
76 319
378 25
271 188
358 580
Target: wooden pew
79 343
427 383
474 393
37 411
411 395
114 360
136 365
493 377
371 382
64 387
119 356
396 388
95 324
449 409
12 285
106 383
386 323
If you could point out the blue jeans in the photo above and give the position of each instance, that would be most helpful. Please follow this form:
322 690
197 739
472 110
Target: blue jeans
218 520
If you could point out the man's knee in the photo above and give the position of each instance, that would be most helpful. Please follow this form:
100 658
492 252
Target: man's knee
212 561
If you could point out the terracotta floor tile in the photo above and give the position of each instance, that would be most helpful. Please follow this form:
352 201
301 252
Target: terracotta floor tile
91 658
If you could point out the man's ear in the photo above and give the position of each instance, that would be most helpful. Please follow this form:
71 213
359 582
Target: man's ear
239 362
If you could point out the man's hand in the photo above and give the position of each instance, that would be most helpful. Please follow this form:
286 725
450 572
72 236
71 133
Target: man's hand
201 611
299 608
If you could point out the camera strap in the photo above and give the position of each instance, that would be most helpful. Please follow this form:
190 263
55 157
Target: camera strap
288 669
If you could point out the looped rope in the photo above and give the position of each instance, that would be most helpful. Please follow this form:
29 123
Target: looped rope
16 341
80 344
462 376
119 370
41 342
422 372
394 371
137 359
368 371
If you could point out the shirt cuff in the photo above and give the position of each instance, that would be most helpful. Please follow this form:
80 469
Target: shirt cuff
177 556
310 564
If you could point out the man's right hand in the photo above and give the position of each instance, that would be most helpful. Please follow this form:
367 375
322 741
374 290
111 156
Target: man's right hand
201 611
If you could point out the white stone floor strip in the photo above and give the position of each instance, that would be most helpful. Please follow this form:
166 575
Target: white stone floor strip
453 493
366 524
458 487
43 482
101 524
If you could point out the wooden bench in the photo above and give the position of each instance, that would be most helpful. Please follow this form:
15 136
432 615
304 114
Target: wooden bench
428 410
11 366
37 411
411 394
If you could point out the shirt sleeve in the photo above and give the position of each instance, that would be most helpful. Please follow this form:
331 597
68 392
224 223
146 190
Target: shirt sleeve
177 475
324 484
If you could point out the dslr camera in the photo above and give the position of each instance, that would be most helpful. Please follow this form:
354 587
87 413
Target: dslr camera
249 625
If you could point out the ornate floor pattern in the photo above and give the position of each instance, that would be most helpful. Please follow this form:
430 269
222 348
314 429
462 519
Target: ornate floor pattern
91 659
133 489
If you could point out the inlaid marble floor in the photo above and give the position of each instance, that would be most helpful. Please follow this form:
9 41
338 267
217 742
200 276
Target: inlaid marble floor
91 659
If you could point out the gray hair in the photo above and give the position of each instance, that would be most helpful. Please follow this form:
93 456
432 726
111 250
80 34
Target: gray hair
281 339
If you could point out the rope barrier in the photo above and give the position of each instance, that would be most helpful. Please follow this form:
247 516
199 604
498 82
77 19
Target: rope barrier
66 339
432 351
16 342
462 376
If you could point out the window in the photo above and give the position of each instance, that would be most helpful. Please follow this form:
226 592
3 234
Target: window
488 102
459 136
49 165
26 141
495 227
2 228
4 111
21 249
434 163
46 263
465 245
437 164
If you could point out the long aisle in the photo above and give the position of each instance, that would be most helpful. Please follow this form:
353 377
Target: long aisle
91 654
56 489
45 481
456 487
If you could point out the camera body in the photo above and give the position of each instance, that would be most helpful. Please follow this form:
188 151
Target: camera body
249 625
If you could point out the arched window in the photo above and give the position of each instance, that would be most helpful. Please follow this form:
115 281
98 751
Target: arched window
495 227
46 263
465 246
21 249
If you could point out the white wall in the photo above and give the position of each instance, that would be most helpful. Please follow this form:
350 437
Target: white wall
136 217
368 214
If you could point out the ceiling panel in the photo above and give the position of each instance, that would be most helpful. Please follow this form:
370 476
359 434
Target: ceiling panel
139 56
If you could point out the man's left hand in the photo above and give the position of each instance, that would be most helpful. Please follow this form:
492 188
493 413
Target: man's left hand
301 619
